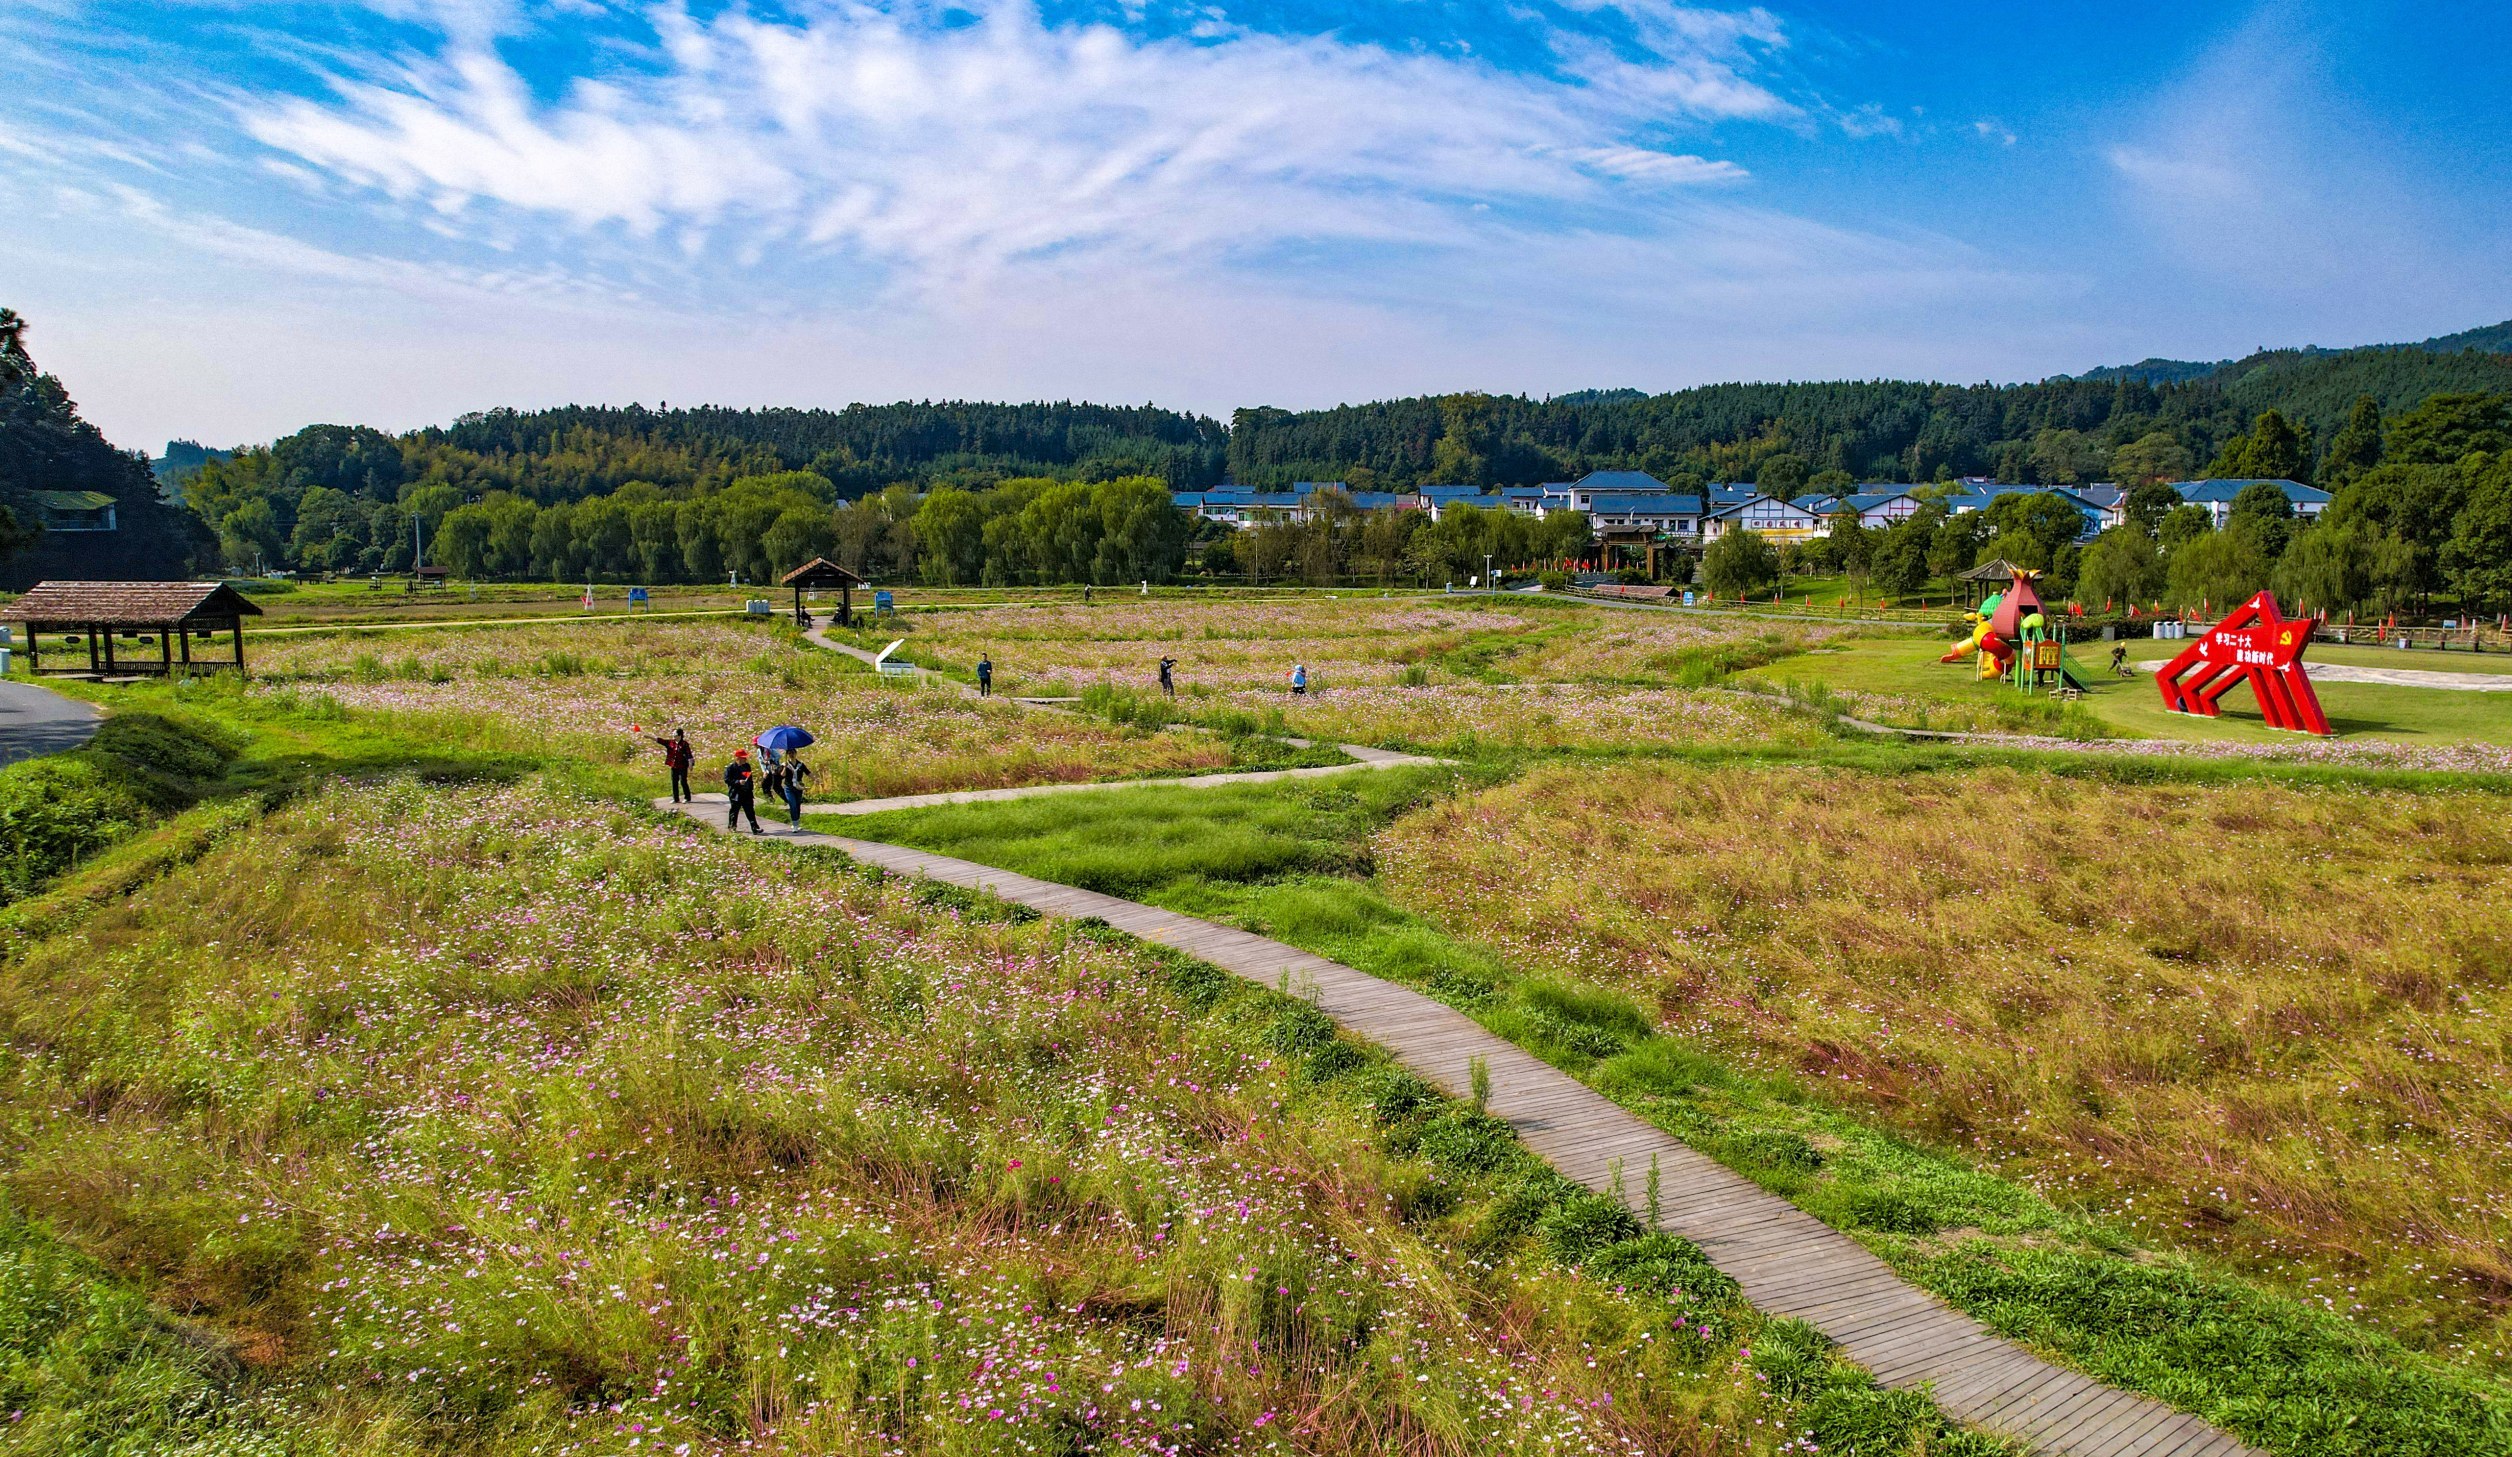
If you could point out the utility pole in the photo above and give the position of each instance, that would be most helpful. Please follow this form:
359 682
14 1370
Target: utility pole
1489 585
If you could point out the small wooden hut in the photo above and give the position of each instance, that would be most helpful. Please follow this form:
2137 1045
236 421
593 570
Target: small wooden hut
95 616
822 575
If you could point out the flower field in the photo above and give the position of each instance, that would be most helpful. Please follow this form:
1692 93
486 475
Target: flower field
1450 716
596 690
1399 671
498 1120
2251 1020
1231 646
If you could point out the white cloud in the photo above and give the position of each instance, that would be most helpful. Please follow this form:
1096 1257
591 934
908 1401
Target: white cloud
1639 164
956 149
878 201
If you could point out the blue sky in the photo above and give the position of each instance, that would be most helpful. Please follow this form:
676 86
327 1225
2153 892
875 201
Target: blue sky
229 218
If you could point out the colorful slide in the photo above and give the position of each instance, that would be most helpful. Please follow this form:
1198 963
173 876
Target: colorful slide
2005 620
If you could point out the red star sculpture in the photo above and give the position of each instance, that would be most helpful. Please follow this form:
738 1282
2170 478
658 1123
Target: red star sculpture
2254 645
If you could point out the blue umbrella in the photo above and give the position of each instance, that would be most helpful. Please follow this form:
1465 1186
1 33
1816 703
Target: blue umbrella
783 740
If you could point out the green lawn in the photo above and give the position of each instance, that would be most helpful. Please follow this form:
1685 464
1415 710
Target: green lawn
1906 666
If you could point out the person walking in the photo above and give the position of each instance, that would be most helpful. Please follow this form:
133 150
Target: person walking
1299 678
985 676
1168 676
678 757
741 792
790 786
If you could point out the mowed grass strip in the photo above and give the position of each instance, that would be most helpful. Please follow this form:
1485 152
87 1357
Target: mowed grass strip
504 1120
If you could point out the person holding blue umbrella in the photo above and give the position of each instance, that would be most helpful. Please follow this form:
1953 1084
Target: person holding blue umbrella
788 740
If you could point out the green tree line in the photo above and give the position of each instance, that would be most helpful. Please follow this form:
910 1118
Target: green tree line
1338 542
758 527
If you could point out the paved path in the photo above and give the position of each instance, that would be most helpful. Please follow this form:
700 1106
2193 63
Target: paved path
819 637
35 721
1787 1261
2394 677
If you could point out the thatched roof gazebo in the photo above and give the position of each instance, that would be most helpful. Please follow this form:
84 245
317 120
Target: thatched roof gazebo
822 575
93 615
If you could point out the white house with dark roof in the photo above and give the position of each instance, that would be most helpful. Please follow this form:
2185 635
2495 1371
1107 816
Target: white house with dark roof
1537 501
1767 517
1435 499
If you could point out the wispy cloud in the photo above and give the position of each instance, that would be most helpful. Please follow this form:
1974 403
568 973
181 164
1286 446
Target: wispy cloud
954 146
833 199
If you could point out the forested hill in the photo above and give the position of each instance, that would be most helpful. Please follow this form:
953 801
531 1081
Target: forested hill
861 448
2491 339
2060 430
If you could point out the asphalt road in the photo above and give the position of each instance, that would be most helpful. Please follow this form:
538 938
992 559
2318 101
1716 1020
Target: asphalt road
37 721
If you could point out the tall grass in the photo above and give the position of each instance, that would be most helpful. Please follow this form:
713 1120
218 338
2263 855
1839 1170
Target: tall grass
2103 1289
2247 1019
473 1121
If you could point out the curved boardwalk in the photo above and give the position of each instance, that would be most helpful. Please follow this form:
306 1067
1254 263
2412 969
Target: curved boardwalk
1788 1262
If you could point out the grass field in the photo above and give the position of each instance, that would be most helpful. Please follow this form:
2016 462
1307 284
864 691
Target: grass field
2073 1221
597 691
2249 1020
450 1119
382 1005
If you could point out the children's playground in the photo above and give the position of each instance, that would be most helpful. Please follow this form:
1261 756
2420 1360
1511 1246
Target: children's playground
2013 640
2206 685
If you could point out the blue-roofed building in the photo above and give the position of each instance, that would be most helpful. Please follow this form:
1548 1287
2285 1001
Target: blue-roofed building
2217 496
1719 495
1653 513
1621 483
1538 501
1877 506
1980 495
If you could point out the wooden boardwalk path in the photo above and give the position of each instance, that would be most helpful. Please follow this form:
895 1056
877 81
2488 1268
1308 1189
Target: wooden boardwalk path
1787 1261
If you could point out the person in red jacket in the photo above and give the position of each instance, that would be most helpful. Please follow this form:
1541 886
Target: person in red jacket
678 757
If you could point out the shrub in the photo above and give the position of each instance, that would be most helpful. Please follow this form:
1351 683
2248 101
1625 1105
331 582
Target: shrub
1465 1141
1777 1149
1891 1212
1583 1224
56 812
1665 1264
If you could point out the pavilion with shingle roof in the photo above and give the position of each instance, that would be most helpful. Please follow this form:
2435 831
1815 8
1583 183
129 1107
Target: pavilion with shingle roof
822 575
95 615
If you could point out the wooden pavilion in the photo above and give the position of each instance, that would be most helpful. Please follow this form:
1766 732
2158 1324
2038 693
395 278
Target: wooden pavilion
1992 576
94 615
821 575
